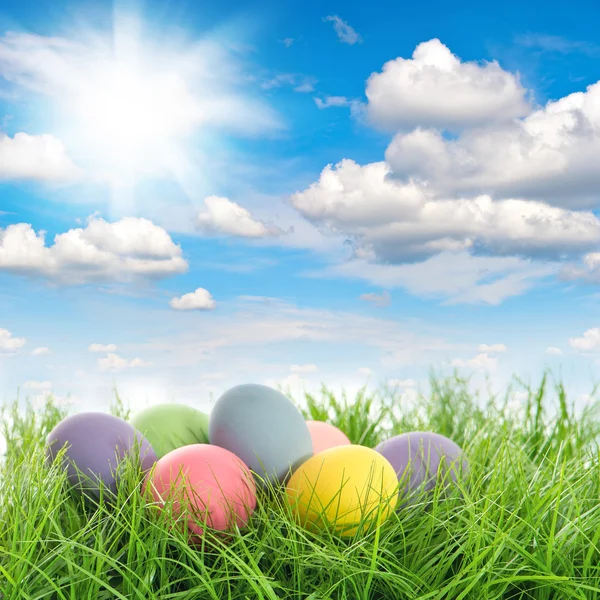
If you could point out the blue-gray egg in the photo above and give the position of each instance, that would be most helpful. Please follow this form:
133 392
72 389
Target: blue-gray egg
263 428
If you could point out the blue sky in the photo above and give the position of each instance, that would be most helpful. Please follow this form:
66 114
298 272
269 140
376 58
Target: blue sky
195 195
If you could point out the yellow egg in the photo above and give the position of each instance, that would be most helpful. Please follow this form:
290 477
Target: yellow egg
345 488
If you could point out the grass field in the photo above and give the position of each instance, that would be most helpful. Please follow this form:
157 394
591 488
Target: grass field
526 524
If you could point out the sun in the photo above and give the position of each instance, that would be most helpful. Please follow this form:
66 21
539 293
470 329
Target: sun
125 109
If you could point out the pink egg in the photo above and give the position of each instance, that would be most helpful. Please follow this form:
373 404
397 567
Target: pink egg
325 436
215 485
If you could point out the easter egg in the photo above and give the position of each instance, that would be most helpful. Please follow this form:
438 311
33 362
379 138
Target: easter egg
346 489
97 444
205 483
417 458
170 426
262 427
325 435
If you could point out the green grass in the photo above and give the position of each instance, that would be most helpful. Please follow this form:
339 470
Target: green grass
526 523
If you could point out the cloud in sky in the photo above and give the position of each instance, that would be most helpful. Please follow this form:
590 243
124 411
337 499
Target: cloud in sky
131 248
10 344
554 351
557 44
435 88
222 216
381 300
588 342
548 156
113 362
200 299
37 157
492 348
102 348
403 222
346 34
40 350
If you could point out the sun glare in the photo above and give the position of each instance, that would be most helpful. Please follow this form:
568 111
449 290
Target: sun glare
129 110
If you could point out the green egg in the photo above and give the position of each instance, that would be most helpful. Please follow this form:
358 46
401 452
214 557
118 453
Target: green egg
171 426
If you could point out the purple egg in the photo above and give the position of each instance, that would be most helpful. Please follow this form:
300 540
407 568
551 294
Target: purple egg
417 457
96 444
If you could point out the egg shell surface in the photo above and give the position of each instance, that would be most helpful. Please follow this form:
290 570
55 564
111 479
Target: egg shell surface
325 435
417 456
345 488
171 426
97 443
208 483
262 427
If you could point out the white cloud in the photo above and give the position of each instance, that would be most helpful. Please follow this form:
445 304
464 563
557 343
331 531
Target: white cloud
287 42
552 350
228 218
482 361
38 157
115 363
39 351
102 347
200 299
10 344
435 89
301 369
457 277
590 340
403 222
492 348
300 83
550 155
121 251
365 371
345 33
381 300
330 101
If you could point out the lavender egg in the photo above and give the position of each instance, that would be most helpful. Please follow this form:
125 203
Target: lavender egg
97 443
417 457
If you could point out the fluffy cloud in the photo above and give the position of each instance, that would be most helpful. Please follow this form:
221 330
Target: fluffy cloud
380 300
491 349
553 351
113 362
39 351
435 89
551 155
10 344
482 362
300 369
345 33
121 251
228 218
590 340
102 347
38 157
365 371
200 299
399 222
